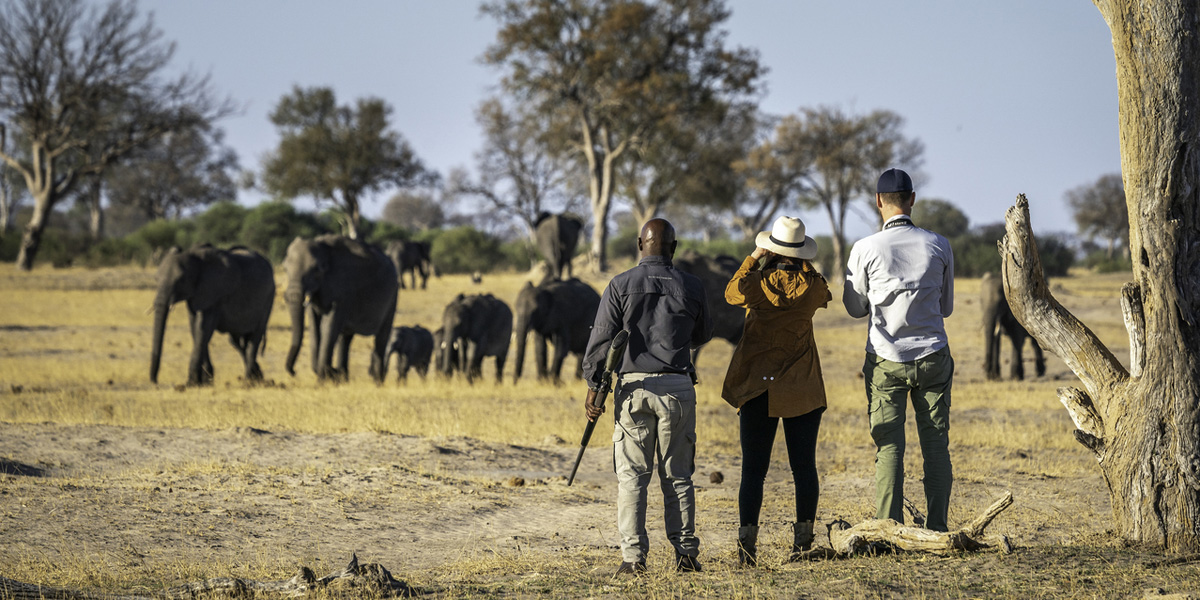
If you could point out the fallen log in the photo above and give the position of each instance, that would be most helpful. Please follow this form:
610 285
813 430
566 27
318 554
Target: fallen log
847 541
370 580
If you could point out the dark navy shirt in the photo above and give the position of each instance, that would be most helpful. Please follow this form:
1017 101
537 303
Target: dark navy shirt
664 310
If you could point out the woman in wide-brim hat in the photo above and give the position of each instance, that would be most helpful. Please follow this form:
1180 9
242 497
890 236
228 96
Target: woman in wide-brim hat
775 374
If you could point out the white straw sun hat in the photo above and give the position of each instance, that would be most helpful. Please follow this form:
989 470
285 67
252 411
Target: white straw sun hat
787 238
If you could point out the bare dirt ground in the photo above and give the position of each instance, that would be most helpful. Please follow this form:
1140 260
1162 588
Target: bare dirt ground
463 517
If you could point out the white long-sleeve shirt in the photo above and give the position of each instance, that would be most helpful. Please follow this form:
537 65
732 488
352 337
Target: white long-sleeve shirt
903 277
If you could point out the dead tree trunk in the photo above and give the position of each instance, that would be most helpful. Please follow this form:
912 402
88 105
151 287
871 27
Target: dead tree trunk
847 541
1142 424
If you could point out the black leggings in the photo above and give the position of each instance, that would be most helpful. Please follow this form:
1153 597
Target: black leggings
758 437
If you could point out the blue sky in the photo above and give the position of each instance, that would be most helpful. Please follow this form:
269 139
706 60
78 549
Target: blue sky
1008 97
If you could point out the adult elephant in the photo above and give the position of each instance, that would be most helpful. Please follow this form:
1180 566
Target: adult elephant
411 258
715 273
474 327
413 347
561 312
230 291
998 320
349 288
557 236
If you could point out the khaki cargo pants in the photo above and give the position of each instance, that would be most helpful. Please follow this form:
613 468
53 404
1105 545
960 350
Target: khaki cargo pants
927 381
655 423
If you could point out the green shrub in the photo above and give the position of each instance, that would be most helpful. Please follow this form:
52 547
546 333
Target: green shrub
976 253
221 224
383 232
622 244
112 252
465 250
271 226
1099 262
735 248
160 234
520 254
1057 256
10 245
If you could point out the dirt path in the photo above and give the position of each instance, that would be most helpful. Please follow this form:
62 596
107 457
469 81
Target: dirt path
240 495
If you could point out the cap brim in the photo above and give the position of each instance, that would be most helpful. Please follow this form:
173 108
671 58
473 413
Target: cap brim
806 252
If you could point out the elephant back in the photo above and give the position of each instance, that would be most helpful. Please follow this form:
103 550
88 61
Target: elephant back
715 273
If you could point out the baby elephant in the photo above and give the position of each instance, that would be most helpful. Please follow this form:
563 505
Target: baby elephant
414 345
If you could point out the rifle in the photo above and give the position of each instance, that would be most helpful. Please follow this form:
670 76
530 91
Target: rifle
615 352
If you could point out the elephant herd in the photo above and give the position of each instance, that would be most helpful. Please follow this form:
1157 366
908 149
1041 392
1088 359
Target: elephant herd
341 287
344 287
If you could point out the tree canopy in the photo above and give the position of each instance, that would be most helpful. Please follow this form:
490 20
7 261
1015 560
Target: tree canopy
175 173
338 154
609 76
840 156
940 216
1100 212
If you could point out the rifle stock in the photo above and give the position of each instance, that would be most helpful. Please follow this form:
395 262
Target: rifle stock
612 361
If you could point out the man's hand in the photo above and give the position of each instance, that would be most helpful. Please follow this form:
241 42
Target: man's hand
759 253
589 406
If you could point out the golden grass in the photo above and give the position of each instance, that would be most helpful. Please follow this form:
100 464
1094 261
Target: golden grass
74 349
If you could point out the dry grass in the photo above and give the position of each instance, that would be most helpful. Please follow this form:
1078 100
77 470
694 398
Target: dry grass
74 348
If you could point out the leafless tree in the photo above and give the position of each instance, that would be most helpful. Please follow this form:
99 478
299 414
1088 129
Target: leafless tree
517 175
1141 423
85 87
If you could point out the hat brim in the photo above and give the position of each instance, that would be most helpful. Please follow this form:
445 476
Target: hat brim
806 252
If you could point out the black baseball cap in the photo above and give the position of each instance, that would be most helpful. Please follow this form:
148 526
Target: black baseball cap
894 180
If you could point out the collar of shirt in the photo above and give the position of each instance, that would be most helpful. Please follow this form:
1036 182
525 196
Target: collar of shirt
655 260
897 221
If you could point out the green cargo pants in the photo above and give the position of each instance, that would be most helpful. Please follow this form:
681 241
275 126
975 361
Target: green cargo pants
890 384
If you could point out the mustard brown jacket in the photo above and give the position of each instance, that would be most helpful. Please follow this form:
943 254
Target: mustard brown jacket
777 353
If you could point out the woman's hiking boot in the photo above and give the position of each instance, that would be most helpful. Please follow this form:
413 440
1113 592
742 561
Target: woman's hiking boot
748 546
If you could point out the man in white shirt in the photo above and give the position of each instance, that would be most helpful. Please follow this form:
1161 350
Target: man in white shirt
903 278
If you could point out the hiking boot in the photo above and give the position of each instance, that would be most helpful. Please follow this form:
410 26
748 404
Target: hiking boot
748 546
687 564
802 540
631 568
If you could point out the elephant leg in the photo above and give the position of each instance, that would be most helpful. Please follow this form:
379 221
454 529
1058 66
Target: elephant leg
991 350
560 354
200 368
378 369
500 367
1039 359
539 355
579 366
253 343
402 367
341 370
1017 369
329 328
475 364
314 325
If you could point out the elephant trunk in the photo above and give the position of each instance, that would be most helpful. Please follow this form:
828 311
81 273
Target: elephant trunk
296 309
161 309
522 331
448 355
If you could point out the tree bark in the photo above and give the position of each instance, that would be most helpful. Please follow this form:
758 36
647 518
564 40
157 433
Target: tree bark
31 240
95 210
1142 424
